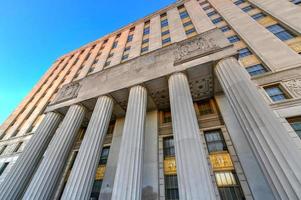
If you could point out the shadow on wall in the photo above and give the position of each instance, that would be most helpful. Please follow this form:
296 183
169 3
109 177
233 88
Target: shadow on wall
147 194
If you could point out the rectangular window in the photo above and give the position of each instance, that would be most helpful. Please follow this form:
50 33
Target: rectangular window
96 189
217 20
130 38
244 52
166 41
166 116
233 39
239 2
145 41
256 69
295 123
228 185
145 49
225 28
207 7
165 33
280 32
127 48
258 16
107 63
4 166
184 14
297 2
124 57
247 8
211 13
168 147
3 149
187 23
171 187
146 31
164 23
114 44
215 141
276 93
190 31
104 155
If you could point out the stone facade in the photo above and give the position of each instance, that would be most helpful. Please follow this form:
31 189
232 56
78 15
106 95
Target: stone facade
199 100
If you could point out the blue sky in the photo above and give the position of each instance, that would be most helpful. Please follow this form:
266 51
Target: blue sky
33 33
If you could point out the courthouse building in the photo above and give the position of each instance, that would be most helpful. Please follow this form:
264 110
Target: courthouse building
199 100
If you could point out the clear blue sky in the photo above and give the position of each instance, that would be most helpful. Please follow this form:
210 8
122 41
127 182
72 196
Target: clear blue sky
33 33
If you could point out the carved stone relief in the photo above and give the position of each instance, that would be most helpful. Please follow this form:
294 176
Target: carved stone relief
294 86
67 92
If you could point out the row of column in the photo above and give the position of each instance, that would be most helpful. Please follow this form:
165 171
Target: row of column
35 175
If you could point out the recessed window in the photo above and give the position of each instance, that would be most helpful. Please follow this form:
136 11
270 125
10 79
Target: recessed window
211 13
248 8
205 107
144 49
96 189
256 69
164 23
239 2
146 31
171 187
107 63
297 2
145 41
225 28
130 38
215 141
244 52
233 39
166 41
187 23
276 93
168 147
110 55
295 123
280 32
104 155
127 48
3 149
165 33
207 7
258 16
4 166
125 56
190 31
217 20
184 14
114 44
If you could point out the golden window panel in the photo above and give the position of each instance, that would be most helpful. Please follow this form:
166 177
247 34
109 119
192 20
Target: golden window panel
100 173
267 21
170 166
221 161
249 60
225 179
295 44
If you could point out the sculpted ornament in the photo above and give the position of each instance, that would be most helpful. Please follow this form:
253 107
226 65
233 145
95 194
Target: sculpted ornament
69 91
294 86
195 47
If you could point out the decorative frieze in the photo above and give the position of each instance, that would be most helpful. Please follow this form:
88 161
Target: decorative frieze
67 92
294 86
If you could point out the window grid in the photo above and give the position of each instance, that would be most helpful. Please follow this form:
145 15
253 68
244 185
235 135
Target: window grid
244 52
168 147
295 123
276 93
171 187
256 69
215 141
165 35
186 21
280 32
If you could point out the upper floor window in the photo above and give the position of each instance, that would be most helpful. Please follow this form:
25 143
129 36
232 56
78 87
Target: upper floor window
258 16
233 39
211 13
104 155
217 20
244 52
165 33
171 187
239 2
215 141
166 41
297 2
144 49
146 31
184 14
256 69
280 32
225 28
4 166
164 23
205 107
276 93
114 44
247 8
130 38
207 7
295 123
168 147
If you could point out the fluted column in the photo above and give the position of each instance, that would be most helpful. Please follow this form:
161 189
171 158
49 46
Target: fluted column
192 166
82 177
277 154
128 178
48 173
19 176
